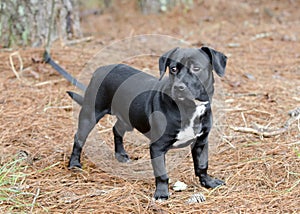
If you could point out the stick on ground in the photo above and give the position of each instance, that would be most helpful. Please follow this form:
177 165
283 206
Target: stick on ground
294 115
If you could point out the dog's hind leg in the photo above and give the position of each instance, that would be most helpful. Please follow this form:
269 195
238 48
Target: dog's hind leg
87 121
119 130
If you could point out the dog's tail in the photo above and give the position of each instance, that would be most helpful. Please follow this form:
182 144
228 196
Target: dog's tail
64 73
76 97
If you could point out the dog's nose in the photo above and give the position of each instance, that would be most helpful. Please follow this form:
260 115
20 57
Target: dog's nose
180 87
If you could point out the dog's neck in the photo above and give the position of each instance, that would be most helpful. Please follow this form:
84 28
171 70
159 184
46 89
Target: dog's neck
189 108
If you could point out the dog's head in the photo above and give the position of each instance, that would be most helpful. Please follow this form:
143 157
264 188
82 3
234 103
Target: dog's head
190 72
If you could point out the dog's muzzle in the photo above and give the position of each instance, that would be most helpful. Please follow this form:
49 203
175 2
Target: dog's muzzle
181 92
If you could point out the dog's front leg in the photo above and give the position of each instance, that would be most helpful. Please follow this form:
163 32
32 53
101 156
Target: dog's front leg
160 172
200 158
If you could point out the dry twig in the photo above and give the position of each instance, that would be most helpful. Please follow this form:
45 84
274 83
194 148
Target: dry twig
34 199
294 115
12 65
77 41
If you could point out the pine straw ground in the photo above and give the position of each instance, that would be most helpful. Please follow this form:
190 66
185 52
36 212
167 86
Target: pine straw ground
261 86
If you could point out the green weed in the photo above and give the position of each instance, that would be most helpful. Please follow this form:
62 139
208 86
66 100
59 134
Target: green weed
13 191
297 151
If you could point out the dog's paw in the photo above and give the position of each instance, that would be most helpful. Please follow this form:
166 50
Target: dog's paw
209 182
74 165
161 195
122 157
75 169
162 189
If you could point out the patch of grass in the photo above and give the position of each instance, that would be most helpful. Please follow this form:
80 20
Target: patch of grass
297 151
14 195
254 143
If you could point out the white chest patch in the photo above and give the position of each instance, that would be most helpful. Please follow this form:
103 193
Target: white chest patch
186 136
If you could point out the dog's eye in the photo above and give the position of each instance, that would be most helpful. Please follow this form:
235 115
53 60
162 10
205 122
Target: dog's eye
174 70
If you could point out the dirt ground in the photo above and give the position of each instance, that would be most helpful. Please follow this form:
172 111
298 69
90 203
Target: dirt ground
262 84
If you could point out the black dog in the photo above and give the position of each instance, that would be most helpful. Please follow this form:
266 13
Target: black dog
172 112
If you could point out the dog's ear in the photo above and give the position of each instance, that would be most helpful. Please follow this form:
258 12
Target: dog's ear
164 62
217 59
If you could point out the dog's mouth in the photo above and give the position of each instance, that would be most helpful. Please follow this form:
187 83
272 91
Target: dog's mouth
182 96
179 97
189 99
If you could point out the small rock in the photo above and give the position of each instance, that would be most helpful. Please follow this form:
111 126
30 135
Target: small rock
261 36
234 45
196 198
287 38
249 76
179 186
